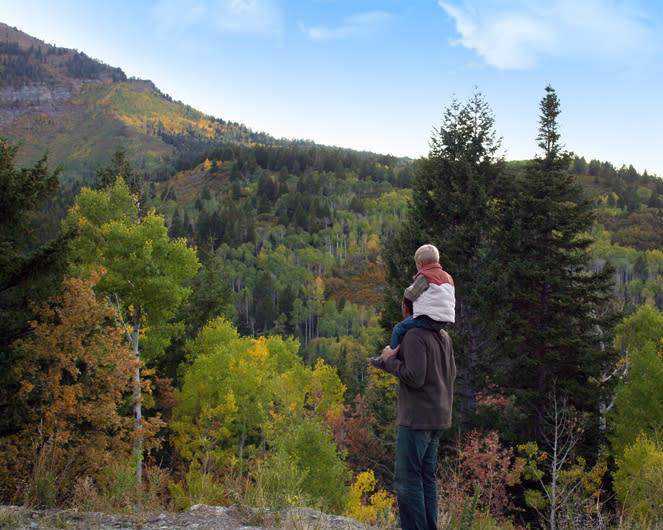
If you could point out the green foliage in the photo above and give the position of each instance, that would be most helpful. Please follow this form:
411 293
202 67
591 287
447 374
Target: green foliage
639 481
209 421
347 354
313 466
146 271
240 394
145 274
119 167
638 406
198 488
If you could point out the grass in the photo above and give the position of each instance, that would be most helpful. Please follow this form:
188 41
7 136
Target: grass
10 517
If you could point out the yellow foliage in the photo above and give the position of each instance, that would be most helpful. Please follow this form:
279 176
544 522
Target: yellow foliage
259 352
378 508
593 479
384 380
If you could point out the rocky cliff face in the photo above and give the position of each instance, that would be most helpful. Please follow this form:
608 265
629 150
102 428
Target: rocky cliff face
35 97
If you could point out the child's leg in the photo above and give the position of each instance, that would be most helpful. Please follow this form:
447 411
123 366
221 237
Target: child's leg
400 330
427 322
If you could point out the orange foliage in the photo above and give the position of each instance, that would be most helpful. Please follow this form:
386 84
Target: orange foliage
360 282
353 432
76 374
484 463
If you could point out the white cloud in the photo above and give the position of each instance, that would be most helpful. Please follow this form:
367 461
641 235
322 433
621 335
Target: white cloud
355 26
517 34
172 15
257 17
252 17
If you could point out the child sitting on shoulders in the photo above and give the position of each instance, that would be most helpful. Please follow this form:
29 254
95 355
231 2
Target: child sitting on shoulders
429 302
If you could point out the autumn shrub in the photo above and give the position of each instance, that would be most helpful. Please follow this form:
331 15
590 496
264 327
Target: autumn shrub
75 375
85 496
354 432
479 476
116 489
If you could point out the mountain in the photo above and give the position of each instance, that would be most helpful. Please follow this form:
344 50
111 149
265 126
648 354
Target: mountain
82 110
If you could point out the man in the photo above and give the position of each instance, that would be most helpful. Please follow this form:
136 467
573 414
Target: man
425 366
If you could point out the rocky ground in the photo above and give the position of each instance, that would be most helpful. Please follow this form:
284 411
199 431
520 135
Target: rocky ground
199 517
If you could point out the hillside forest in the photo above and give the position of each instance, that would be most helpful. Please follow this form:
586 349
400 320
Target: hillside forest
200 333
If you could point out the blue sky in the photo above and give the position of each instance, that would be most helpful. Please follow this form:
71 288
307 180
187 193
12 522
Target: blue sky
377 75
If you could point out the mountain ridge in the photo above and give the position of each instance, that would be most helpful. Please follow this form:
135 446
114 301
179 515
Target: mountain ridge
81 110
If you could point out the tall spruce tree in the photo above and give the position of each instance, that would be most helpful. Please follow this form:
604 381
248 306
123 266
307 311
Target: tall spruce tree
455 194
555 324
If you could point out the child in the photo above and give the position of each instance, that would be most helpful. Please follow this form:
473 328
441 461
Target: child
429 302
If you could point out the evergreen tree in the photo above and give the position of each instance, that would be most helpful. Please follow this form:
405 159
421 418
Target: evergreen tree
455 191
29 273
557 326
120 166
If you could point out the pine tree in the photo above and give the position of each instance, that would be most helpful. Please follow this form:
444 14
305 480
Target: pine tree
557 326
455 194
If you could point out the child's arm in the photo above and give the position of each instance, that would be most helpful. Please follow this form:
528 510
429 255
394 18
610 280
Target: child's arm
418 286
406 308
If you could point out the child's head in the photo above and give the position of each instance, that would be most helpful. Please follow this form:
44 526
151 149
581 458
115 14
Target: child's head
427 254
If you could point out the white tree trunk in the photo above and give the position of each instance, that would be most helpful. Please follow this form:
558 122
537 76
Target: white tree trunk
133 336
138 411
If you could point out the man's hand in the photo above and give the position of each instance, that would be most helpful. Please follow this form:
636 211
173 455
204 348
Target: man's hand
387 352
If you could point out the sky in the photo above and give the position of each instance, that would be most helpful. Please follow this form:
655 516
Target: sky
378 75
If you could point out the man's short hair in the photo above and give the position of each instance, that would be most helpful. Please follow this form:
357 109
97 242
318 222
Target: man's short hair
427 254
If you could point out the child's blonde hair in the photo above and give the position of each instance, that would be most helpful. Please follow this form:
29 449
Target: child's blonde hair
427 254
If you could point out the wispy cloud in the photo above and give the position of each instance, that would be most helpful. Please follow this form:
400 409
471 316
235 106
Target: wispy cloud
355 26
518 34
171 15
252 17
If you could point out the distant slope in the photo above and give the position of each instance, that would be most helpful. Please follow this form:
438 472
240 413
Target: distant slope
81 110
